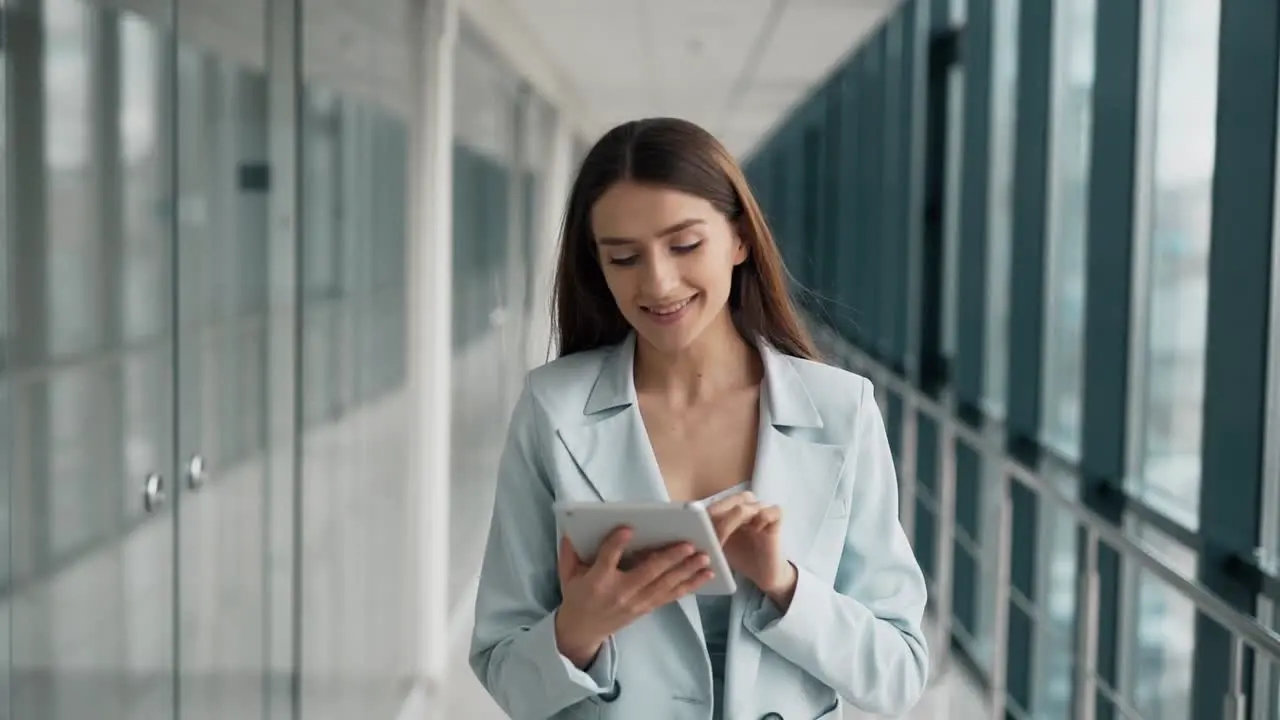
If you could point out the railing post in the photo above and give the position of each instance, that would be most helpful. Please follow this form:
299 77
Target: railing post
944 575
1000 616
1234 703
1087 630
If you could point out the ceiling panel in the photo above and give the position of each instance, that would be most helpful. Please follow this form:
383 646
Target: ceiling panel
734 66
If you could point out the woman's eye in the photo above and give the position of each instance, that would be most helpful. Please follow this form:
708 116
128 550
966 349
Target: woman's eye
687 248
628 260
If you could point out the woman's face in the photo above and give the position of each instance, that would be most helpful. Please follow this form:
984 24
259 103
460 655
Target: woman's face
668 258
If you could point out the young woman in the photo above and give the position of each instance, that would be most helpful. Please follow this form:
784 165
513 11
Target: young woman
685 373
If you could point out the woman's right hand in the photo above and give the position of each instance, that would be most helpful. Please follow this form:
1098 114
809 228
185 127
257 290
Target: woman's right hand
599 599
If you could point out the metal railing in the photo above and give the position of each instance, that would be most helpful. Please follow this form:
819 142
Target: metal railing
1246 633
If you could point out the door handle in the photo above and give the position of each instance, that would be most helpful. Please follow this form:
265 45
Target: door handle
152 492
197 472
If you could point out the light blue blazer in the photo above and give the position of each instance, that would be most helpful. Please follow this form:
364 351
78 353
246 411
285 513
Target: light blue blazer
853 630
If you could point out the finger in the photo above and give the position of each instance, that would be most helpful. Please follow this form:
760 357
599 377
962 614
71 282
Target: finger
729 503
611 549
680 574
728 525
758 523
689 584
657 564
768 515
669 585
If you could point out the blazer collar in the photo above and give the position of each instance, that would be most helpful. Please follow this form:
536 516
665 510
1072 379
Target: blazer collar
787 401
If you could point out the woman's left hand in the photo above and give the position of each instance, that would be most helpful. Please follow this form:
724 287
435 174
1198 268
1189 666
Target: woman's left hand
751 535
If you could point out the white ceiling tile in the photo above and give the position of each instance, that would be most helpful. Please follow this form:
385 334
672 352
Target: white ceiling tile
734 66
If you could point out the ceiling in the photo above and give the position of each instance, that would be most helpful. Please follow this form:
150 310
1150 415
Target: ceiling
734 66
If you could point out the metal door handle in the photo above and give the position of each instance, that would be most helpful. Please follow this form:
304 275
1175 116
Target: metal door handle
197 472
152 492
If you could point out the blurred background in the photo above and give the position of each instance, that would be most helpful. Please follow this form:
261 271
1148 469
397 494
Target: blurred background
271 272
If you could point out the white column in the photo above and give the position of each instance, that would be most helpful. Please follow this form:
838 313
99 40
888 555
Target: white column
430 257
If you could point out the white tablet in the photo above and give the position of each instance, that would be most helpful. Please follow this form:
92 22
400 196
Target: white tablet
653 525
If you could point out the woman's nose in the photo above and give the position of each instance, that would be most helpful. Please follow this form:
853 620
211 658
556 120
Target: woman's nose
660 277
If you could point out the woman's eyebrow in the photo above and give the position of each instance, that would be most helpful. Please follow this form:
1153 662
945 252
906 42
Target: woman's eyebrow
671 230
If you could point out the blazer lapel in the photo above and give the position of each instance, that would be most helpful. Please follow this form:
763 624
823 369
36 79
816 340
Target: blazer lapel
793 469
611 446
794 472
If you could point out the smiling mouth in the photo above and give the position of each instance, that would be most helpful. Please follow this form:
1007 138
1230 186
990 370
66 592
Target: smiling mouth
672 309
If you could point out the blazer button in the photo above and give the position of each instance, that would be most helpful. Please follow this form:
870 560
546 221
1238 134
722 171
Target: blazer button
615 691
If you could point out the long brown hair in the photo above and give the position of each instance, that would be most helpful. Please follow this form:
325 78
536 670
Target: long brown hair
676 154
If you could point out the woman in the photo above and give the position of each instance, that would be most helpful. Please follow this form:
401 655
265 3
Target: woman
684 374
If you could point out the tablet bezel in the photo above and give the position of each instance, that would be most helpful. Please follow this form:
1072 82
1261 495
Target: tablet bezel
653 524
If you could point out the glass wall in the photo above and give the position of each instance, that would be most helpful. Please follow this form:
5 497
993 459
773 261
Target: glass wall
1071 133
223 387
1125 319
486 208
957 11
356 483
356 475
1183 76
207 502
1004 129
1071 105
89 378
139 333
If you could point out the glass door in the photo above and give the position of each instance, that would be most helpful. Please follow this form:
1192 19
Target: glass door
86 371
223 388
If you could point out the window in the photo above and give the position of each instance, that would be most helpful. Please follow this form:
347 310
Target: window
1159 647
1057 580
1004 86
1070 141
1175 228
951 200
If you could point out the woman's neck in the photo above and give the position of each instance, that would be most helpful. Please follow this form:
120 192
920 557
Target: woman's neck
720 359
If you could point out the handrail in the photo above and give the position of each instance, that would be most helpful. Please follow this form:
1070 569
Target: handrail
1097 528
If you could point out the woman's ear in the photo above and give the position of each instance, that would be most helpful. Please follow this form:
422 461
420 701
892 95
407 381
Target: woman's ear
741 251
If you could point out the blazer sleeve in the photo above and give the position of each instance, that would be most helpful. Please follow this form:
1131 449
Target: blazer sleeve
862 635
513 646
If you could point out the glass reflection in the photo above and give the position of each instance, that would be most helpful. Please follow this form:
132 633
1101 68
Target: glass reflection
1071 140
1056 587
143 194
488 311
357 591
224 391
86 414
1184 127
1161 638
73 253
